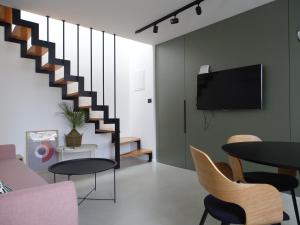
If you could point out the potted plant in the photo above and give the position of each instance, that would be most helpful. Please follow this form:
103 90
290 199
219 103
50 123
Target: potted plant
76 120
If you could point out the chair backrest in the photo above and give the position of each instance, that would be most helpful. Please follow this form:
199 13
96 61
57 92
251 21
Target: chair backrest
261 202
243 138
235 163
209 175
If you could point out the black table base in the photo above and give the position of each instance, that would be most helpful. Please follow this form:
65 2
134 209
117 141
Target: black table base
83 167
86 197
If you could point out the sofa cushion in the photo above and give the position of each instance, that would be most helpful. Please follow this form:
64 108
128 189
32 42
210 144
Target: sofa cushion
16 175
52 204
7 152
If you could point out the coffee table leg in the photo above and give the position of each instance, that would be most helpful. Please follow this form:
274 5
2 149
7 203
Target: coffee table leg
95 188
114 185
95 181
54 178
68 177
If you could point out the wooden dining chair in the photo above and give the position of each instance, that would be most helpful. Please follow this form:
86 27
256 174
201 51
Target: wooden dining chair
284 180
236 203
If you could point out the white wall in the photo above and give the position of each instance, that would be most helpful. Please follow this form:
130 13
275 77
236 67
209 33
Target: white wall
28 102
142 113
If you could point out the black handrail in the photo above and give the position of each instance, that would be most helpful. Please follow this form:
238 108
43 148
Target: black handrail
47 28
63 39
103 86
115 85
78 50
91 45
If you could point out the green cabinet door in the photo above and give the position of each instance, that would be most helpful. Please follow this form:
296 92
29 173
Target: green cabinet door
170 102
295 68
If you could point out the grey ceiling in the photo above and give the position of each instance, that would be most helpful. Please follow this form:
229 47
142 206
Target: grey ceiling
124 17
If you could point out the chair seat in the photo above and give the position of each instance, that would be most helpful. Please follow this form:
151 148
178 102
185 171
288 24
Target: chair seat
228 212
224 211
281 181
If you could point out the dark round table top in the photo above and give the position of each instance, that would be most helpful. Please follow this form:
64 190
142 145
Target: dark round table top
82 166
271 153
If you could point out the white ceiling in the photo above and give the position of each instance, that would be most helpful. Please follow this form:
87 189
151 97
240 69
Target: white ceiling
123 17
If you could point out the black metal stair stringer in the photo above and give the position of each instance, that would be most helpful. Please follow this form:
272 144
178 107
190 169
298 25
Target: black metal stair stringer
16 19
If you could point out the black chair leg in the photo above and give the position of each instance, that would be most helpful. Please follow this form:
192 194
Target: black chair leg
203 217
295 206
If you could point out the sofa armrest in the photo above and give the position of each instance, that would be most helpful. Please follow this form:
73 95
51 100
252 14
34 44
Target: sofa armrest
51 204
7 152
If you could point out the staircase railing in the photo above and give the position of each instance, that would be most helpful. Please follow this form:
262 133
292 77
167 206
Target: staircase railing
26 34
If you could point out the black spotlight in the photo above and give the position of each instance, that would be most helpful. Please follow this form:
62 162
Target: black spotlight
174 20
198 10
155 29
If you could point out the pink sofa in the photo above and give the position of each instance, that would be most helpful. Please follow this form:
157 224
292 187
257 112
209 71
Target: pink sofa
33 201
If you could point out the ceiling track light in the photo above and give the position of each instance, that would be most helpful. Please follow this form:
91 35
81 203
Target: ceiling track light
174 14
174 20
198 10
155 29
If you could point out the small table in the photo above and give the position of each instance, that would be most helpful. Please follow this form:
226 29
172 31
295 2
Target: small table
271 153
83 167
83 149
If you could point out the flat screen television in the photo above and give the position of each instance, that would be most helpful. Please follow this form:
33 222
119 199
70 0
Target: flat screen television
238 88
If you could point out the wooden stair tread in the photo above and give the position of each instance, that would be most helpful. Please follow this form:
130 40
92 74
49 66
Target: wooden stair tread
127 140
136 153
75 94
37 50
95 119
21 33
105 130
85 106
51 67
61 81
5 14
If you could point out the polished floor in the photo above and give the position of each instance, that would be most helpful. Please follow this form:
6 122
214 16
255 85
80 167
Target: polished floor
148 194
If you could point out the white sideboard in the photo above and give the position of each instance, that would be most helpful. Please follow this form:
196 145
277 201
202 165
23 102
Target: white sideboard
84 151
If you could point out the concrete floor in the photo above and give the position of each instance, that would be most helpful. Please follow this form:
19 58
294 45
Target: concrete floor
148 194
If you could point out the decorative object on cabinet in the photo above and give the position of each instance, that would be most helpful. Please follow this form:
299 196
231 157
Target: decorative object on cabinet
41 149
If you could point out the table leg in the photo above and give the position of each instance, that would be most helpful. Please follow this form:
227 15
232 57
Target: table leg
86 197
68 177
114 185
95 181
54 178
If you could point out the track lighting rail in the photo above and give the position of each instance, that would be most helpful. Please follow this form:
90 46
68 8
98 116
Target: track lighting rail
172 14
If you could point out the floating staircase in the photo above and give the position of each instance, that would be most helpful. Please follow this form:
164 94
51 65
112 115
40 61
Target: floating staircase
138 152
26 34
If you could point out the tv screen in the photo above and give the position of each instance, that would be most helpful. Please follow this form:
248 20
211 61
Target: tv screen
239 88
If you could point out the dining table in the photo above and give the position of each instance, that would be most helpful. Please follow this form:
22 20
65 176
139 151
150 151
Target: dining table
271 153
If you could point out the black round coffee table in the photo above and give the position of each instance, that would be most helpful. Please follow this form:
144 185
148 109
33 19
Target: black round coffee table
82 167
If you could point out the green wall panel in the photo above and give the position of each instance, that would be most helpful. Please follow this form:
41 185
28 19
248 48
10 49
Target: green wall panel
169 98
259 36
295 69
265 35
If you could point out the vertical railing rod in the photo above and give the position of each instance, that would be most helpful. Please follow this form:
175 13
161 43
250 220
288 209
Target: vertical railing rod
103 85
91 45
115 84
78 50
47 28
63 39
